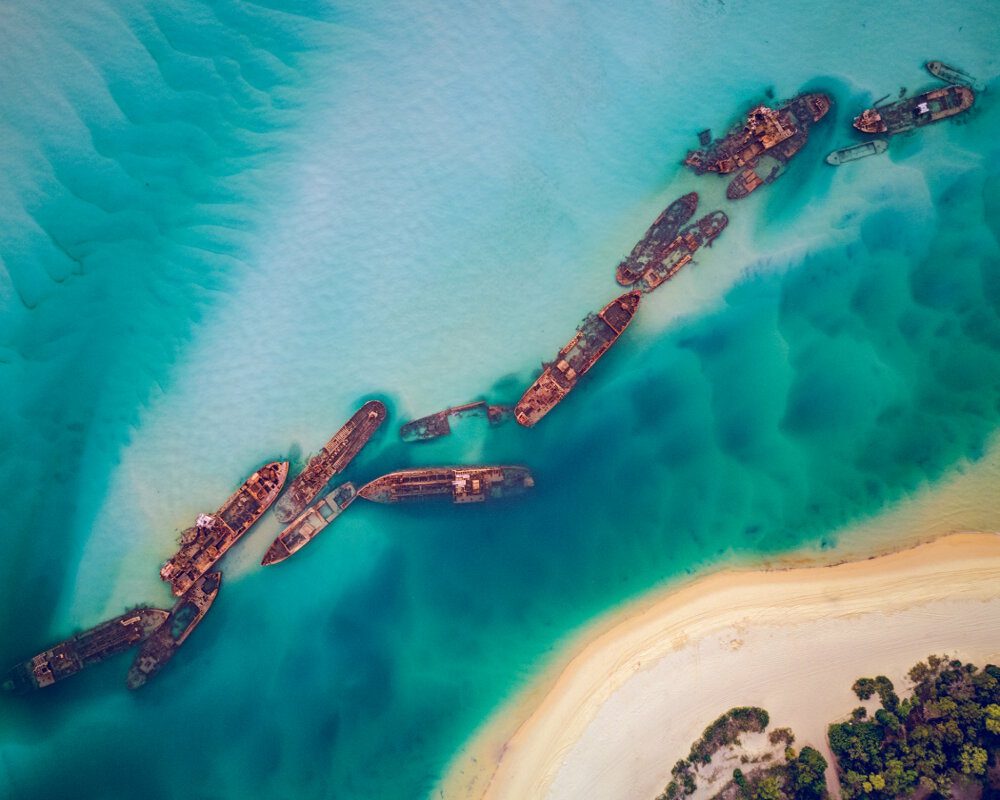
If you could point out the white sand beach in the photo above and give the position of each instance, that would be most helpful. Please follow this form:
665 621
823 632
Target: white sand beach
792 641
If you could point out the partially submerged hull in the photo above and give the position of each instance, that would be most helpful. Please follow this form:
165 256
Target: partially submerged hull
457 484
856 151
915 112
333 458
437 425
90 647
183 618
305 527
679 253
205 543
663 231
598 332
748 179
948 74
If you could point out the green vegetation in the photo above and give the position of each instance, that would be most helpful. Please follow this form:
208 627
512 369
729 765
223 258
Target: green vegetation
800 777
781 735
943 740
809 771
882 686
724 731
946 734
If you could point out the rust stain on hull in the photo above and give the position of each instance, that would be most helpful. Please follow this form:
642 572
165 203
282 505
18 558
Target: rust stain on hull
309 524
332 459
458 484
597 333
205 543
779 133
166 640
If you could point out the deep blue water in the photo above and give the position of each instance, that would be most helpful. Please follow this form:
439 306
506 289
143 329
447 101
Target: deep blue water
226 225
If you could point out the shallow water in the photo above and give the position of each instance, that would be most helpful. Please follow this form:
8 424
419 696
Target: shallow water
219 239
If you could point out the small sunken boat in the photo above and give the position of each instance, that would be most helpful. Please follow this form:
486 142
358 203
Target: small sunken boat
437 425
873 147
948 74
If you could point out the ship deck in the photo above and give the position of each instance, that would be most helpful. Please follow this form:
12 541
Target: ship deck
332 459
183 618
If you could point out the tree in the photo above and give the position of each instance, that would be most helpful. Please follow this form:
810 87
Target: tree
920 672
974 760
810 774
888 720
864 688
992 718
888 698
767 789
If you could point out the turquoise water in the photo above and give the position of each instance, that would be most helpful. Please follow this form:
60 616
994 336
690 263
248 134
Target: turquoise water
227 225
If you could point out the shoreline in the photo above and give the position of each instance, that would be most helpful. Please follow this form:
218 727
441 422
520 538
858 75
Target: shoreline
602 717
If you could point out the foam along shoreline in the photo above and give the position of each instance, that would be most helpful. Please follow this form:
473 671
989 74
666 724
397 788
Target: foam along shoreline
630 703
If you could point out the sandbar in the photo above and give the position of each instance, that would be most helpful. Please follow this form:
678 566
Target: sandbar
633 698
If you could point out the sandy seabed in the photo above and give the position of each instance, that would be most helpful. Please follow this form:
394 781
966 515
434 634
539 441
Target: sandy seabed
792 641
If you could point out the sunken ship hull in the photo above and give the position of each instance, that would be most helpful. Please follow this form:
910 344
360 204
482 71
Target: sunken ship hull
205 543
660 234
915 112
948 74
90 647
861 150
437 425
766 171
457 484
334 457
309 524
598 332
183 618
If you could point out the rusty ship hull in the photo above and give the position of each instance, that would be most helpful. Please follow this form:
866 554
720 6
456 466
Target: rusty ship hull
680 252
782 130
663 231
89 647
766 171
597 333
437 425
205 543
309 524
332 459
457 484
915 112
183 618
